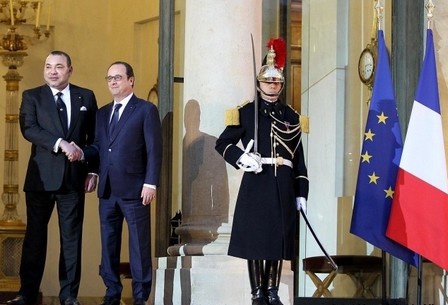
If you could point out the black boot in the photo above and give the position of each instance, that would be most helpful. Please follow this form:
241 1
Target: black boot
256 281
273 272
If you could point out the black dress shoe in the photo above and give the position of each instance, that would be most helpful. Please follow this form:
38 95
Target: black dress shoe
259 301
109 301
273 298
20 300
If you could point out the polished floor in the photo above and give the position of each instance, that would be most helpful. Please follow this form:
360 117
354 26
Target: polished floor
82 301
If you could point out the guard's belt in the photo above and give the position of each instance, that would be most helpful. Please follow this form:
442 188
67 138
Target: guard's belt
277 161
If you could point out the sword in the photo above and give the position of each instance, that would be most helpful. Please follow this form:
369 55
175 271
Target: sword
256 98
331 261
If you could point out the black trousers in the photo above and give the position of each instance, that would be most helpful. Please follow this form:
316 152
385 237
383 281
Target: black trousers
39 207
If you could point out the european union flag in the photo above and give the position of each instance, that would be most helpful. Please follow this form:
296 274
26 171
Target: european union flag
378 167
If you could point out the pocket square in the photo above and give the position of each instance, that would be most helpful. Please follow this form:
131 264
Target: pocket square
83 108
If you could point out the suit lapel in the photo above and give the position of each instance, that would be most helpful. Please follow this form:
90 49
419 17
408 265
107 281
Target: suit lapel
76 104
48 104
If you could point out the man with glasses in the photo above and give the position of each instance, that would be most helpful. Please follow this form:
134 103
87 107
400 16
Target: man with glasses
128 142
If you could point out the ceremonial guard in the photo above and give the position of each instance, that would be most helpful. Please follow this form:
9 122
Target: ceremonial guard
274 185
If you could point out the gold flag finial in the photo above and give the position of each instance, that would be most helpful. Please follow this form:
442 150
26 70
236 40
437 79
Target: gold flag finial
430 8
379 13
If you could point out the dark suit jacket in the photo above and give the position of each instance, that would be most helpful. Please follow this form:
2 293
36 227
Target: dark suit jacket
132 155
40 124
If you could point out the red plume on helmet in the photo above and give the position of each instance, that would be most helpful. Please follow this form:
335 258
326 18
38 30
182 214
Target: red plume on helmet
279 47
274 62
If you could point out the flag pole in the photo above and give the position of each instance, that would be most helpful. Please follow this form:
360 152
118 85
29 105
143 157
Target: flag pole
419 280
379 16
383 278
429 7
444 283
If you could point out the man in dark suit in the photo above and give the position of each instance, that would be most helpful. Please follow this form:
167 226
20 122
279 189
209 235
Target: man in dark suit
52 179
128 141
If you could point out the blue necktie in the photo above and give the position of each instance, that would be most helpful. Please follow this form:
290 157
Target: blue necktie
62 111
114 120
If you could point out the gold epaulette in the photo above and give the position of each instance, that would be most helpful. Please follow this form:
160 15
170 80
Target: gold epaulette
303 120
232 117
304 123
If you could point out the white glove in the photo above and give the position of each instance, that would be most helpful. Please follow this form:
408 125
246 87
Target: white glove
301 204
257 158
248 163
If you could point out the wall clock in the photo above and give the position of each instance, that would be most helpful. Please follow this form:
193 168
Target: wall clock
366 64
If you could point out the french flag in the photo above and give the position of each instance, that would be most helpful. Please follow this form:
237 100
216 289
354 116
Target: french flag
419 212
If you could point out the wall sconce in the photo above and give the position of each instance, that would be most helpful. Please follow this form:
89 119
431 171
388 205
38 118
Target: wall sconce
17 13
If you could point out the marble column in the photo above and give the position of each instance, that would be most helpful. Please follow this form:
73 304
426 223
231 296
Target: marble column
218 75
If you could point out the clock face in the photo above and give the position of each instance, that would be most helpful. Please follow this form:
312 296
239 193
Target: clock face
366 66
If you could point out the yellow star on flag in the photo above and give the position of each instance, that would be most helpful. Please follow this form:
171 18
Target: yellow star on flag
382 118
373 178
389 192
369 135
366 157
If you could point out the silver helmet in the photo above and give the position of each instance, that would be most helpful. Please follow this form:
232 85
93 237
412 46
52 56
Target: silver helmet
272 70
269 73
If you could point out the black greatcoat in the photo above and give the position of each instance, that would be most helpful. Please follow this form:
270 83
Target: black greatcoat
264 224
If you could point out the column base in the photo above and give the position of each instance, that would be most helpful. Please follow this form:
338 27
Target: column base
212 279
207 240
12 235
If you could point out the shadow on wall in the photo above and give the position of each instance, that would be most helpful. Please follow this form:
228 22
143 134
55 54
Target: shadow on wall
205 190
